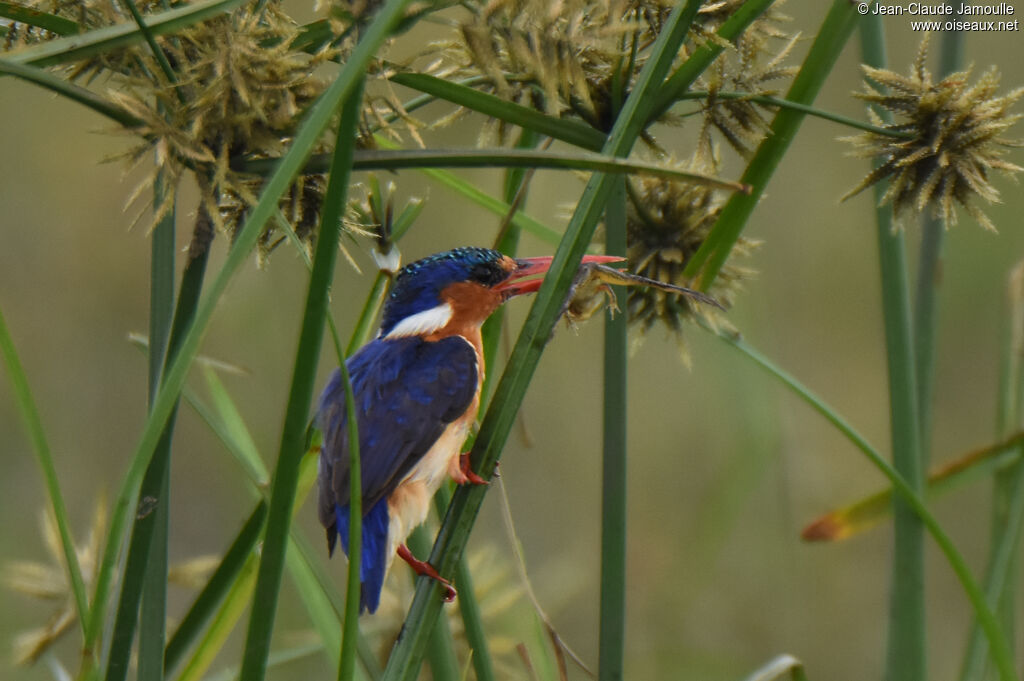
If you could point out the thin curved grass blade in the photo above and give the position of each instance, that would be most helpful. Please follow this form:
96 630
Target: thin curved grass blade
41 448
848 521
33 17
100 40
397 159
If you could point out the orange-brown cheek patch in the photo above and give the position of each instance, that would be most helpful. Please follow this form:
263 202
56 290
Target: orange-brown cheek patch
471 304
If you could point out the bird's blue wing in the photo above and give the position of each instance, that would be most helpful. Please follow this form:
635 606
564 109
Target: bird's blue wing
406 391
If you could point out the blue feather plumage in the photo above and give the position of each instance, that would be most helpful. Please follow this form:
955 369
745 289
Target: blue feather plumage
406 391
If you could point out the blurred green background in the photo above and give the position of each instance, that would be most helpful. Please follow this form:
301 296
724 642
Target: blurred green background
726 466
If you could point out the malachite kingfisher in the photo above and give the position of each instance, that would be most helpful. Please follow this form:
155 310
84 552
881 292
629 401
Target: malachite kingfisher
417 389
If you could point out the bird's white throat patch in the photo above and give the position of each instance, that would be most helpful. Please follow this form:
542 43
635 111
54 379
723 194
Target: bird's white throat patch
426 322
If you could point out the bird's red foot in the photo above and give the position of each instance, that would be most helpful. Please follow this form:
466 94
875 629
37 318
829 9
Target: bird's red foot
422 567
465 473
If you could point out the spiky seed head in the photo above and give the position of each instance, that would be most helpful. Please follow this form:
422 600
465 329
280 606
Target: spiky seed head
948 138
748 70
667 222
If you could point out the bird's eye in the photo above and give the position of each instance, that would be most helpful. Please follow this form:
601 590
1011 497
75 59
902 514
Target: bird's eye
487 274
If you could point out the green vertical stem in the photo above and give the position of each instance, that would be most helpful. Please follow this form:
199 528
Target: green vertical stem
153 611
161 290
1008 498
153 492
925 322
906 655
300 397
444 665
469 606
613 484
353 587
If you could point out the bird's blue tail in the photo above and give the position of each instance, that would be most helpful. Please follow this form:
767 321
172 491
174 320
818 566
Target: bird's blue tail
374 561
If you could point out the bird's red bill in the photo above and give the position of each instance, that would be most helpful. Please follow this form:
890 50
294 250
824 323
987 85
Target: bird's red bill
528 267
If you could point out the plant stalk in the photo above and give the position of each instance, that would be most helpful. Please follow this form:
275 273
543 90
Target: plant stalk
907 647
612 634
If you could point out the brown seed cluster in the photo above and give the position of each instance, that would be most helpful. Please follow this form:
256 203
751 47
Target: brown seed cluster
667 222
950 139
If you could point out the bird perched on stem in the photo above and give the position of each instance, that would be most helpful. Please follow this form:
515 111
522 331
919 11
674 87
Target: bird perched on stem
416 389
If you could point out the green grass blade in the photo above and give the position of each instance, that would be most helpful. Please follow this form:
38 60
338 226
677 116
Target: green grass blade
161 290
1008 491
300 397
473 625
319 609
75 93
907 649
237 599
153 606
102 40
925 320
828 43
236 433
407 656
40 447
482 198
153 610
350 634
575 133
929 267
862 515
387 159
313 126
368 315
217 588
371 668
782 103
520 219
440 653
33 17
612 631
986 617
276 659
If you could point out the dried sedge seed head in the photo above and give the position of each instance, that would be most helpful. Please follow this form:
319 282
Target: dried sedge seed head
741 122
556 57
564 58
955 139
667 222
761 32
49 582
241 90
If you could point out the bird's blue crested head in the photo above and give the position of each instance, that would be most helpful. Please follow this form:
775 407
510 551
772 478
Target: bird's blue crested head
421 298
